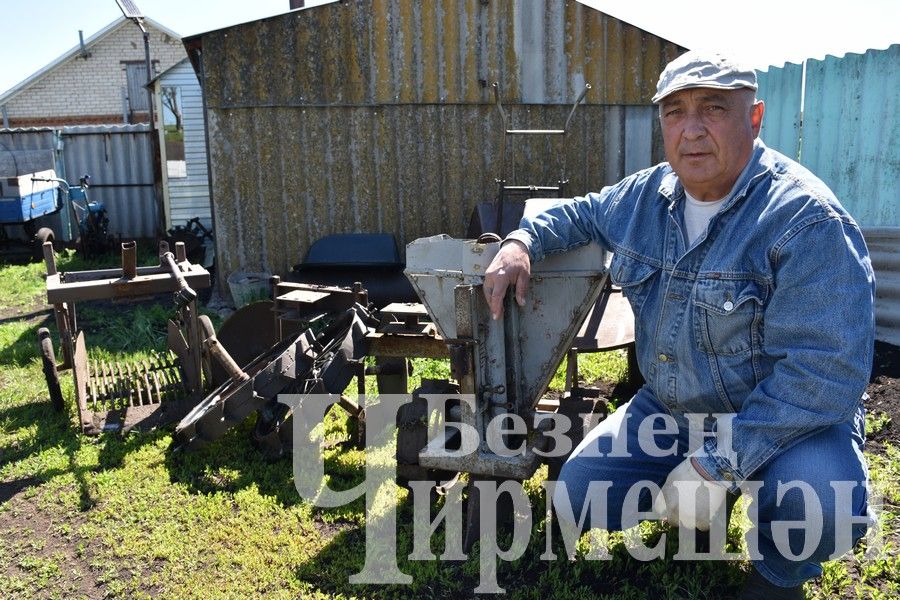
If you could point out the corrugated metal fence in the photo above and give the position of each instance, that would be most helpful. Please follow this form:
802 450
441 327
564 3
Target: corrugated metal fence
377 116
781 90
848 137
119 160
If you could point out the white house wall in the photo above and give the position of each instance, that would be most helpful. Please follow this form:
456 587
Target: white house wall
189 196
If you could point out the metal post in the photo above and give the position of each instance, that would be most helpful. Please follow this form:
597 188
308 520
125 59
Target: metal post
149 74
131 11
129 260
124 104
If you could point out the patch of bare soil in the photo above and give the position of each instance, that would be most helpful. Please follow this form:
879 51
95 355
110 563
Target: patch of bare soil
36 310
38 546
884 395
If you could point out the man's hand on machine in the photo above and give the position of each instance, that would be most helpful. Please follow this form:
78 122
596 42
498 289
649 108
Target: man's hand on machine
511 267
688 500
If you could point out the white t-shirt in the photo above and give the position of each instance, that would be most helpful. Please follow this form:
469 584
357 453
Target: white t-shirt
697 214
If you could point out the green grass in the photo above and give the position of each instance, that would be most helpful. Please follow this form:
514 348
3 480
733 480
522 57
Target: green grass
121 516
22 285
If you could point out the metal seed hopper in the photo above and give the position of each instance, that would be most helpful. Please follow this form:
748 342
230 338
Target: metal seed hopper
505 365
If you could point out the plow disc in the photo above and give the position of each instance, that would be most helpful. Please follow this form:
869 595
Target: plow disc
249 332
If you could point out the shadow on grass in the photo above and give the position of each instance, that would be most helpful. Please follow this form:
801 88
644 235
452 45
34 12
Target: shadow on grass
20 351
112 329
617 576
57 430
232 463
42 313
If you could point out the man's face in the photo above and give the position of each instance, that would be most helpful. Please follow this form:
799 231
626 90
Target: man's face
708 137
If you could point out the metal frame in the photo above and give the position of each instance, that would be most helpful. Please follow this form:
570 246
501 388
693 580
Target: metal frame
113 396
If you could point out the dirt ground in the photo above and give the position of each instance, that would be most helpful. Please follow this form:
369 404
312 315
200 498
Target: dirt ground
884 394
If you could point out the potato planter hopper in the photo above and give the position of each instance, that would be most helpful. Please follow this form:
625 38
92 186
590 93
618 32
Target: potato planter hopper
505 366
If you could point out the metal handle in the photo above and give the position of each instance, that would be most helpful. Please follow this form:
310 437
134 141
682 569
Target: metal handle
184 295
553 132
584 92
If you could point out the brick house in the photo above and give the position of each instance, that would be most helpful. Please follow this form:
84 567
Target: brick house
101 82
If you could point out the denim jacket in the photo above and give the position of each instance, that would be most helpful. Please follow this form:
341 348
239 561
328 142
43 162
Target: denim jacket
768 315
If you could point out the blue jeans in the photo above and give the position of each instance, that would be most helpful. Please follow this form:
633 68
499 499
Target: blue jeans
831 455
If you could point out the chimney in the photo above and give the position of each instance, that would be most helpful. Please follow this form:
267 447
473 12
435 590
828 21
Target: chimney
296 4
84 51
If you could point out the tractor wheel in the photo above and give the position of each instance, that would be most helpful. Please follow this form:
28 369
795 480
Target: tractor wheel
50 374
44 234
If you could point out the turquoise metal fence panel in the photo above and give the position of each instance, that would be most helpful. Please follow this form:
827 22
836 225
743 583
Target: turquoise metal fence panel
780 88
851 124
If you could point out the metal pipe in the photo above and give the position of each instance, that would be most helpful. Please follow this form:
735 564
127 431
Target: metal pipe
84 51
221 355
129 260
149 74
184 295
209 171
581 96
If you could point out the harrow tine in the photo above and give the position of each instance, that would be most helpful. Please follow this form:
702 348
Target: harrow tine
98 380
104 382
92 397
154 375
159 397
174 381
166 392
146 377
123 391
134 390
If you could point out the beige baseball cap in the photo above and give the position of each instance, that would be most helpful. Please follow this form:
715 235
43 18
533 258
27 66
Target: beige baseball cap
702 69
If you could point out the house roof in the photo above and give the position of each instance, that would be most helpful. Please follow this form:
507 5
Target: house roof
94 39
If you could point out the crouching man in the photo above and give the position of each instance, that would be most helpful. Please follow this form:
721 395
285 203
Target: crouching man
753 293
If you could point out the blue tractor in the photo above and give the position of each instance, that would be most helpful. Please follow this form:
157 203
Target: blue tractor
30 193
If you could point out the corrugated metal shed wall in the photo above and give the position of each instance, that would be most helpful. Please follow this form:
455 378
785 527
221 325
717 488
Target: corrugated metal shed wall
376 115
441 51
189 196
851 124
851 131
780 88
119 160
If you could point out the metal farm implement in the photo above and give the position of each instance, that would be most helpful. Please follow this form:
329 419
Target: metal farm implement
314 339
119 395
319 336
